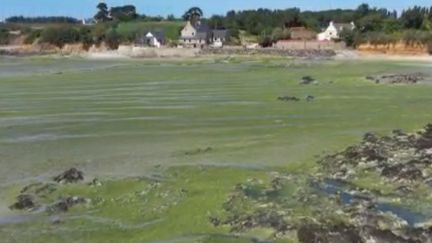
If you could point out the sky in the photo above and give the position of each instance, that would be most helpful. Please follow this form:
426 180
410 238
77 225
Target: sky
86 8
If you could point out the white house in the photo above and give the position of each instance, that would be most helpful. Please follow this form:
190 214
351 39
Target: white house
152 39
333 30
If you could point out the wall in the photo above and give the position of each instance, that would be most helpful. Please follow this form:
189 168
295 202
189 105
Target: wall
399 48
310 53
310 45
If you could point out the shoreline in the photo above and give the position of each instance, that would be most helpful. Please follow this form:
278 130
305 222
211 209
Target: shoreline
170 53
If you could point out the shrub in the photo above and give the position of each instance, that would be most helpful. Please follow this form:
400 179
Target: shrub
86 37
4 37
112 39
32 36
59 36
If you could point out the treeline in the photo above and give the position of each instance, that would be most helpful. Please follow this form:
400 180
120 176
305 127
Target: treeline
369 22
68 34
41 20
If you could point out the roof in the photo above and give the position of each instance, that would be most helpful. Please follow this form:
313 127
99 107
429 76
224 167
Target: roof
342 26
201 27
220 34
302 33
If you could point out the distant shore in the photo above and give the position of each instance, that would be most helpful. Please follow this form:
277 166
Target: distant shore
127 52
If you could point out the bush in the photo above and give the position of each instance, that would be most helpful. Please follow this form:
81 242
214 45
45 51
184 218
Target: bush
4 37
349 37
411 37
59 36
112 39
32 36
86 37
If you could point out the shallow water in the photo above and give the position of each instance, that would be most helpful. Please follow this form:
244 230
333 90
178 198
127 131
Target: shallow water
333 187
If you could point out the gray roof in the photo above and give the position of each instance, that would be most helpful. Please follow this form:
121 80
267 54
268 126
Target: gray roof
201 27
220 34
342 26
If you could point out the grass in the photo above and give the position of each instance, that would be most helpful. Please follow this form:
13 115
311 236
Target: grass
171 29
126 121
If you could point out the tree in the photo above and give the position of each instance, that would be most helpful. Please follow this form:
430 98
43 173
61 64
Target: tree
280 34
123 13
171 17
102 15
193 15
348 36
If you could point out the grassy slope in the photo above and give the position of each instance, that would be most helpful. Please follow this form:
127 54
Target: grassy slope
230 107
171 29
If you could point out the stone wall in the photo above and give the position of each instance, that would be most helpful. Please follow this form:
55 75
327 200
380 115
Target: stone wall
309 45
310 53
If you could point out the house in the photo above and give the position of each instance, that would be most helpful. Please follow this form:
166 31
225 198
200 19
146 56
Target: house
333 30
219 37
199 34
153 39
88 22
302 33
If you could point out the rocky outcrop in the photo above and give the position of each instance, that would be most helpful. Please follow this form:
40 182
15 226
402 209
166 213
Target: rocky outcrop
402 78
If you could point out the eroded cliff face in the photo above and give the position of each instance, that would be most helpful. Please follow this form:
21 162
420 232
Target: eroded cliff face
400 48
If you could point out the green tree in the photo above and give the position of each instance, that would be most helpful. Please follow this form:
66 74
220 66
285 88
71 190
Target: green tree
102 15
193 15
123 13
171 17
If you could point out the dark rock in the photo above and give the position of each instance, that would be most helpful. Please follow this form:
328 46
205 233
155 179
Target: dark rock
307 80
310 98
288 98
24 202
410 78
402 172
312 233
70 176
199 151
384 236
65 204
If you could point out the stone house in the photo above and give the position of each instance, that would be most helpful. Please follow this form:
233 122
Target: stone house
201 35
333 31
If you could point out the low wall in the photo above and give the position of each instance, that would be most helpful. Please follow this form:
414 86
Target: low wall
310 45
310 53
400 48
136 51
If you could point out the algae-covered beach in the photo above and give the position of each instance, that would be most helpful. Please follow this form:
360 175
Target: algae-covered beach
166 145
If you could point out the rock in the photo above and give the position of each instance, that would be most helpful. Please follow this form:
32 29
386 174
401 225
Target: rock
199 151
312 233
370 234
24 202
65 204
308 80
70 176
310 98
409 78
288 98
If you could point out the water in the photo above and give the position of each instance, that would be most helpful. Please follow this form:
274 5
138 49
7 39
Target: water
335 187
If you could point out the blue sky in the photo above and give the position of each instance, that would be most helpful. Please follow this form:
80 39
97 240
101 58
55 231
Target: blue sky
86 8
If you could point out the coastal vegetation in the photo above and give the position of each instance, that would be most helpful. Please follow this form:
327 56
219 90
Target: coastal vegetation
204 150
373 25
